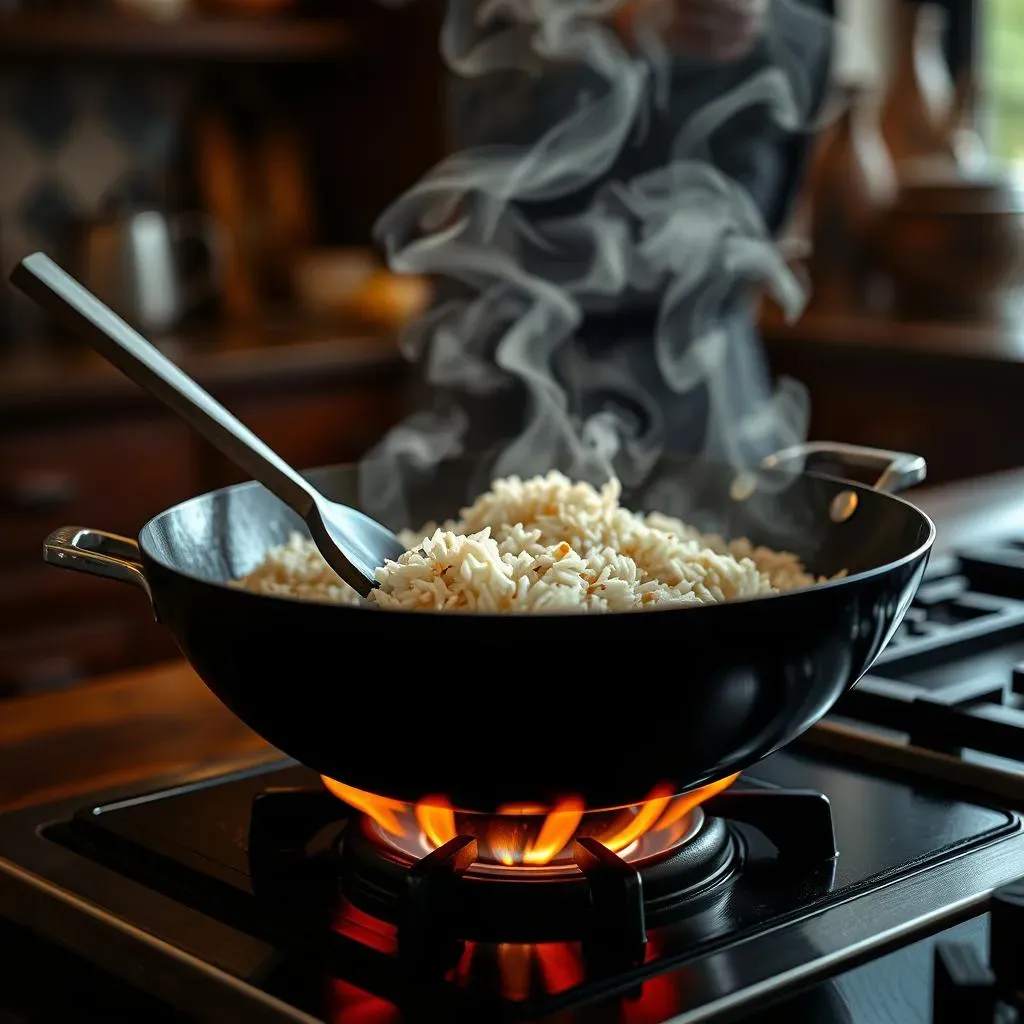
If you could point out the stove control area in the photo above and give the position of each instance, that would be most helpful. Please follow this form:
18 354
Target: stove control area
969 990
951 682
952 678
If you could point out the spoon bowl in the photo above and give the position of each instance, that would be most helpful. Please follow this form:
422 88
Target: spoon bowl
352 544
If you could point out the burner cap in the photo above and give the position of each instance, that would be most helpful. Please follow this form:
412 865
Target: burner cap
523 904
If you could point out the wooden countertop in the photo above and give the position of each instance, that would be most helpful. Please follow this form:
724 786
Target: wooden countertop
163 721
138 725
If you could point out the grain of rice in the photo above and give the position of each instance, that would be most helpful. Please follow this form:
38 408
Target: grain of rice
544 545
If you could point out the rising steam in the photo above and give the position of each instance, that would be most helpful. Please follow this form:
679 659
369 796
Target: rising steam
682 235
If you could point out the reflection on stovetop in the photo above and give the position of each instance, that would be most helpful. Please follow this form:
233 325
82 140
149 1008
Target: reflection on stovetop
894 990
195 845
273 851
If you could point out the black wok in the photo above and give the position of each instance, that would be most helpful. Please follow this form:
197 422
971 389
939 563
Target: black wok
491 710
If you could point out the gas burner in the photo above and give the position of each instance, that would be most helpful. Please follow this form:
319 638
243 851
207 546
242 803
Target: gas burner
533 873
472 878
522 904
532 841
536 846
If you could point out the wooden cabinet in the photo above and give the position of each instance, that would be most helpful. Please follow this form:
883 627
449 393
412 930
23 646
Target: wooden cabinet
95 451
117 471
948 390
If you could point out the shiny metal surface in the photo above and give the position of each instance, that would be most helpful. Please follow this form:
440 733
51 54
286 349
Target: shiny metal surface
899 471
911 861
352 543
98 553
131 261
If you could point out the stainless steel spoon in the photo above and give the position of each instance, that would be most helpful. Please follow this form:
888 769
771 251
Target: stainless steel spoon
353 544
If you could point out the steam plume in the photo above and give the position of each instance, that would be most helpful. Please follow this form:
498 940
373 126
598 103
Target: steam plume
681 234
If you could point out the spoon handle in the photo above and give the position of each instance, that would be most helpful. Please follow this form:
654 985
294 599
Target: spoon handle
59 293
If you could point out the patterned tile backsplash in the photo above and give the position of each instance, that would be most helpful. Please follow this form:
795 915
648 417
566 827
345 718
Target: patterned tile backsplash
69 142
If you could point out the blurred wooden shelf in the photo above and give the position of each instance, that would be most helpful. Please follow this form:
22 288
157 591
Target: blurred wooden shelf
79 442
106 36
948 389
36 386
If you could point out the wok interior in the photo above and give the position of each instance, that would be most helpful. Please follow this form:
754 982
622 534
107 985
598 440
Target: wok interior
224 535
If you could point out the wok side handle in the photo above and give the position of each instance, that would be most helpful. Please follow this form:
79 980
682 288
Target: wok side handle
97 553
898 470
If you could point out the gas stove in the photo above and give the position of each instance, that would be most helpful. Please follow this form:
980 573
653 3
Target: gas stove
870 872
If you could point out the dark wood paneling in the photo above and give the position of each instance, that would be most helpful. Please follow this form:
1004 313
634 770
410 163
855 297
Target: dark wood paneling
113 475
60 651
949 391
96 37
99 453
311 428
389 129
961 417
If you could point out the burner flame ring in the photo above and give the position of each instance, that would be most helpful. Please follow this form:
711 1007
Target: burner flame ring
646 848
532 841
495 903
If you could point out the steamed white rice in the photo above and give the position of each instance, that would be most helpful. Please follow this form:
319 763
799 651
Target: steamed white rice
544 545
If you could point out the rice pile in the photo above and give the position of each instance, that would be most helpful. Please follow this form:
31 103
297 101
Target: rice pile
544 545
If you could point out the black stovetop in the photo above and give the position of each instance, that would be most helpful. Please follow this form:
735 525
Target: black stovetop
191 845
159 889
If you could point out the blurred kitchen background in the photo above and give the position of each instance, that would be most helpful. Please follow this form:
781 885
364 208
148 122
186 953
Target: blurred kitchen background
234 154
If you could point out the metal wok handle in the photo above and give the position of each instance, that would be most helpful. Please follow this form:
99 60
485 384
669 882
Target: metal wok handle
97 553
898 470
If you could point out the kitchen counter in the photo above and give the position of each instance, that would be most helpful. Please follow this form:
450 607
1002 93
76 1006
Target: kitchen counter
162 721
137 725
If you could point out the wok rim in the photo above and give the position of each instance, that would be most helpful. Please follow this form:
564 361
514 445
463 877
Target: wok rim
920 551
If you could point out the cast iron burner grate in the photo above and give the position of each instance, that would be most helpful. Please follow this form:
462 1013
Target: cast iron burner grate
438 902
